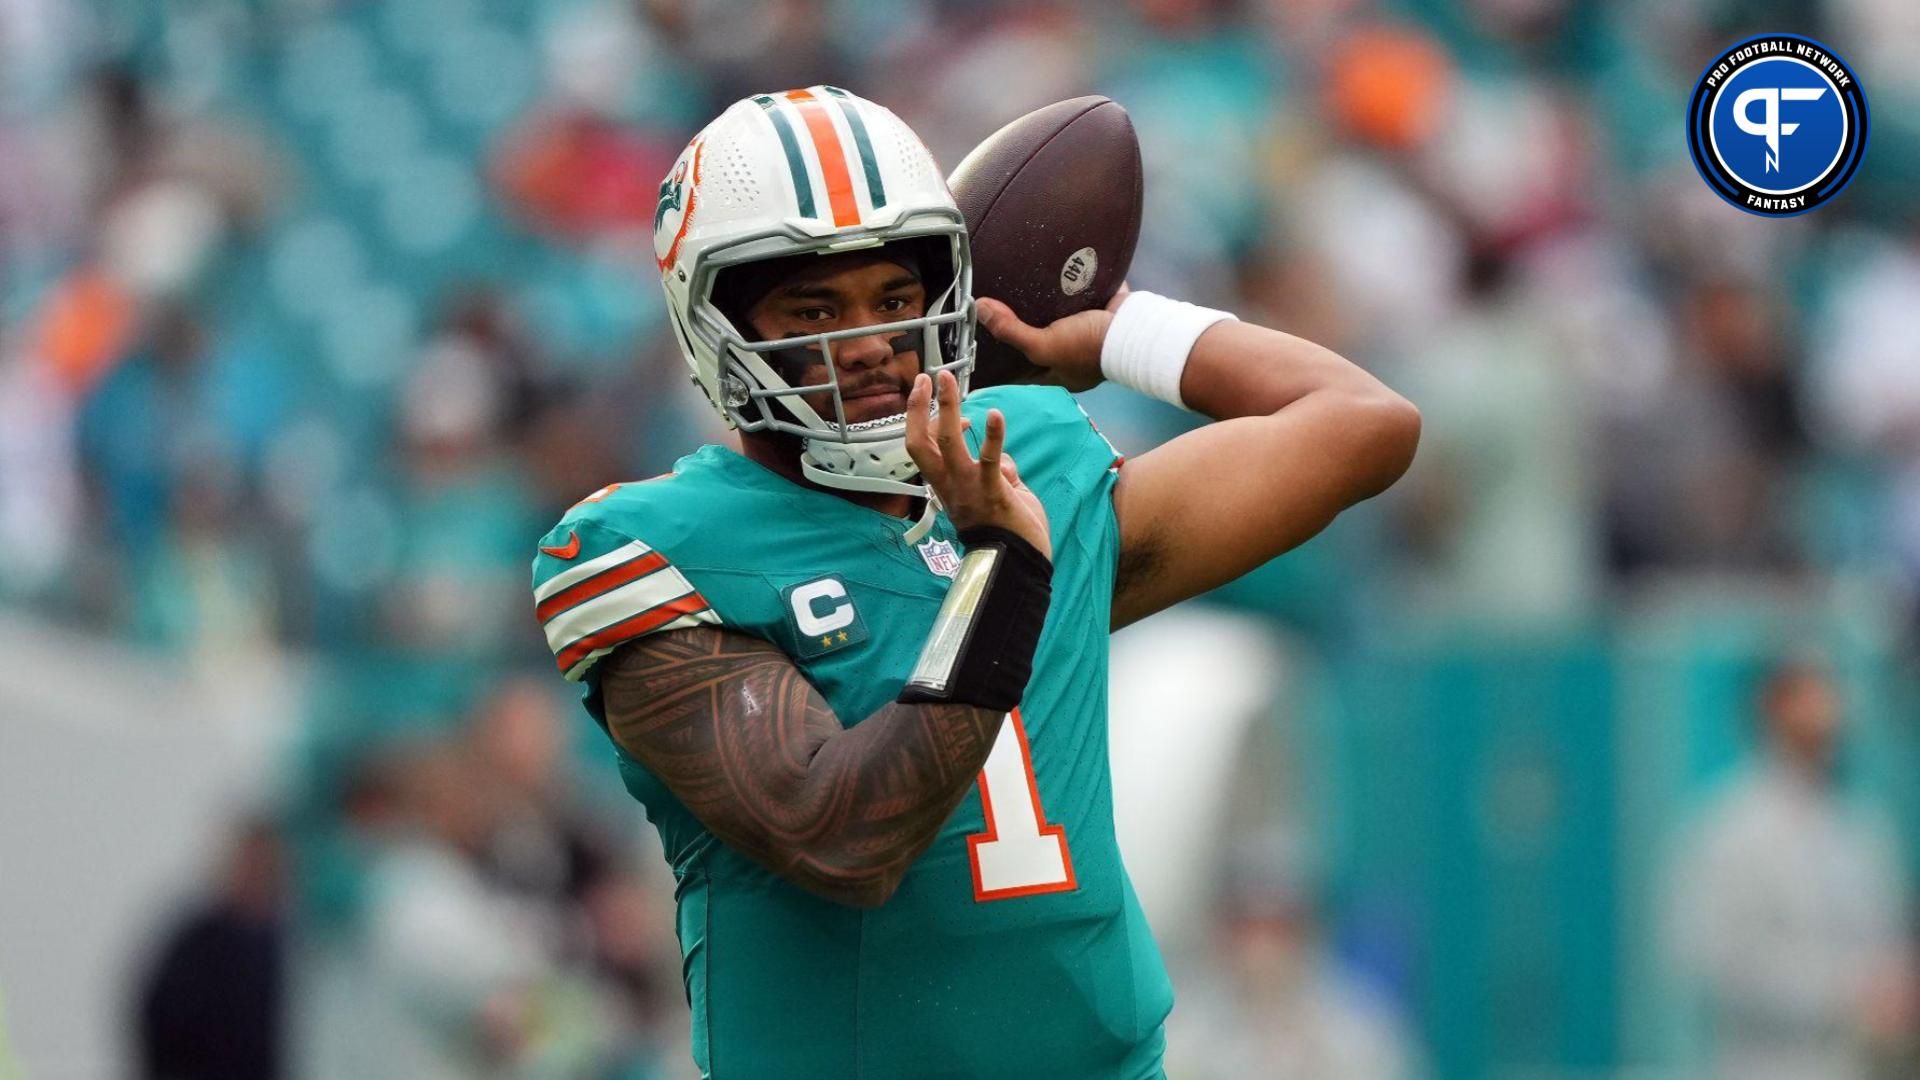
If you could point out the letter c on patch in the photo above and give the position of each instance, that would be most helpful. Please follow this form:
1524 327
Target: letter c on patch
809 599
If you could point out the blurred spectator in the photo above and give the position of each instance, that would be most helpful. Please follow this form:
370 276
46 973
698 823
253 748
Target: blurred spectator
497 930
542 847
1199 90
1867 378
482 328
956 80
1700 474
601 919
436 981
636 964
159 195
465 515
146 424
211 1006
164 439
1498 513
569 452
537 849
752 46
1276 1003
40 494
1789 906
577 175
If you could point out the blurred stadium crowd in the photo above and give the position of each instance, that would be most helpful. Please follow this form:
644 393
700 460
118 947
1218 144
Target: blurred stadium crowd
315 313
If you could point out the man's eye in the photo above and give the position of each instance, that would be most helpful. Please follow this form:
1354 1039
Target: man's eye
893 304
813 314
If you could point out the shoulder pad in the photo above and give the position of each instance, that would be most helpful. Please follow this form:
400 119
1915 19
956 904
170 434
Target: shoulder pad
1048 433
598 585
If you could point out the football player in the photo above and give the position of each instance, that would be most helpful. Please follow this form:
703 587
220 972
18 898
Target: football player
855 666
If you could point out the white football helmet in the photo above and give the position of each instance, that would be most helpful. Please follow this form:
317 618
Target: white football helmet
815 171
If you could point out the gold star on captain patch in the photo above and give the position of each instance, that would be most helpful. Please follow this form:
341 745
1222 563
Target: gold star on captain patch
843 637
826 642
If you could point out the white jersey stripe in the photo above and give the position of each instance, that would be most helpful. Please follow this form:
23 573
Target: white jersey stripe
698 618
574 574
633 598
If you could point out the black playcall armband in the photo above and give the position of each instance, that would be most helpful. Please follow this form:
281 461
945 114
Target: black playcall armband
981 649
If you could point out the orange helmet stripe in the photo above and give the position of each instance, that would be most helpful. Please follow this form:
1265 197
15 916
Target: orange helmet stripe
833 158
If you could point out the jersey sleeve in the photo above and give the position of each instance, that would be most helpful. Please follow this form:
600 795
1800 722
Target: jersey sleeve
596 588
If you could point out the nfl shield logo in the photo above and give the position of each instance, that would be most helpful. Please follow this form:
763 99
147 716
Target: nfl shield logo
940 557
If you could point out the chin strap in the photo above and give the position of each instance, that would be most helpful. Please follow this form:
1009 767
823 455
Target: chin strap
925 525
880 486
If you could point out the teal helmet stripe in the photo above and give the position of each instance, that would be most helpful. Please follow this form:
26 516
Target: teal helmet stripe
802 186
876 190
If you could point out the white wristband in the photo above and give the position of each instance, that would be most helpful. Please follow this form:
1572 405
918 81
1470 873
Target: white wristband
1148 342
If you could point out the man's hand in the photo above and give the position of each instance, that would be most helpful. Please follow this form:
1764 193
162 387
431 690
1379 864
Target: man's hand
983 492
1068 350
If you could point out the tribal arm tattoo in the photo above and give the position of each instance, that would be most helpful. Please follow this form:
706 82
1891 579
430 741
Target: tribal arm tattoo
736 732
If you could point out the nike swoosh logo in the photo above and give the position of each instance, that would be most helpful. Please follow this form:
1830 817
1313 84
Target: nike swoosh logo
567 550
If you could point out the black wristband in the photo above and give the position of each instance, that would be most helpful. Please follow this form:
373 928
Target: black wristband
981 649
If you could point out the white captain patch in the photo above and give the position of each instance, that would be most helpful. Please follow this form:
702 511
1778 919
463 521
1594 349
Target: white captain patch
940 557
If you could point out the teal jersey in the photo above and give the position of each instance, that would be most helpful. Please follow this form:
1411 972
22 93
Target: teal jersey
1015 945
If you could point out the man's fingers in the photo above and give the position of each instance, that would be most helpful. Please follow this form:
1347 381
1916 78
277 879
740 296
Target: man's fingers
1009 470
990 446
1000 320
920 444
946 425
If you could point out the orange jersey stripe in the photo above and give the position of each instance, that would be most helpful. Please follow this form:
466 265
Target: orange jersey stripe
604 581
833 159
643 623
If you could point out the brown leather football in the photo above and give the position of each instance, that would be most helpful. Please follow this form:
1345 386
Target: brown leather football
1052 203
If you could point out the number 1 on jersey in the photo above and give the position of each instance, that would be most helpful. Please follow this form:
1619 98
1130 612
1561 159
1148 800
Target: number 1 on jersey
1019 854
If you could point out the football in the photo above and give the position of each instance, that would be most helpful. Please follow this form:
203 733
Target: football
1052 203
